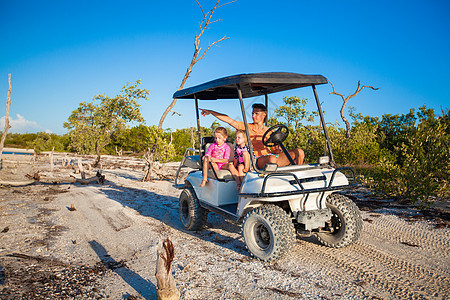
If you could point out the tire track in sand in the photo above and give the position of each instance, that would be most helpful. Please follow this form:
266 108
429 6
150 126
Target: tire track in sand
390 266
392 228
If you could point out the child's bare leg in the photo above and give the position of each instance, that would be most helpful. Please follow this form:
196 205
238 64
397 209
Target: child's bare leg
205 171
246 157
214 166
241 172
234 172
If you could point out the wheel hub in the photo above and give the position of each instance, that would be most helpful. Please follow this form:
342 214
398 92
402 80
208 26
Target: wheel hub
262 236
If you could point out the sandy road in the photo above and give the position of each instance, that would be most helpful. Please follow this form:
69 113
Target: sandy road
119 224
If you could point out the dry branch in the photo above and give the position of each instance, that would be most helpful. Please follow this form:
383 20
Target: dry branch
99 178
197 56
345 100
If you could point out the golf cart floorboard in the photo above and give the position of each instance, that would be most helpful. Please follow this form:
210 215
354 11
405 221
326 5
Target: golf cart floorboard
231 208
228 211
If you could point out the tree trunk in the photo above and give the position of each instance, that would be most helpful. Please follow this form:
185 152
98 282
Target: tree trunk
347 124
80 167
195 57
167 288
97 160
149 159
7 126
51 159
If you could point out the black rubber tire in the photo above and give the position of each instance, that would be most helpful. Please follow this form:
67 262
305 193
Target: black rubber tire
268 232
346 221
193 217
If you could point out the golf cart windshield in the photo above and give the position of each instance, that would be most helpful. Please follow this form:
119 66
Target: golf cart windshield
251 85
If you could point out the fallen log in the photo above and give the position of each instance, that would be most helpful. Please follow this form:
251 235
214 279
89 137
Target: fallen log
16 183
99 178
36 176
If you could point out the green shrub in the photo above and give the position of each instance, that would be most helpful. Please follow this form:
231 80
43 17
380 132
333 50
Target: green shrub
420 169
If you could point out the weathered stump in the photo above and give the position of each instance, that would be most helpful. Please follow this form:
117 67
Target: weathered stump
166 286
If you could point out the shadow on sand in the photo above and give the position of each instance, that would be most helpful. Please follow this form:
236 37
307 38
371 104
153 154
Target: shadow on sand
144 287
165 209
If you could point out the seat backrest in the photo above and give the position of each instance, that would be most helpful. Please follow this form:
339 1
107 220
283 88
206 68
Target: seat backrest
231 159
206 141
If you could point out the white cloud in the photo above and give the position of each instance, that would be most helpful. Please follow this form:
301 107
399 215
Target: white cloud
20 125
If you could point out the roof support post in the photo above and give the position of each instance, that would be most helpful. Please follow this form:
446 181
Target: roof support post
198 128
322 121
247 132
266 103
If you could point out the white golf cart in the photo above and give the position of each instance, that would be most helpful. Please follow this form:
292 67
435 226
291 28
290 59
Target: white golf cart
276 202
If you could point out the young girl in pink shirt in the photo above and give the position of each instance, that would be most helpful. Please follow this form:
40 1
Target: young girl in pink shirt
217 154
241 163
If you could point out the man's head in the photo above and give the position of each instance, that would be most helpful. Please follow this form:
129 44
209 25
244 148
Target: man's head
258 111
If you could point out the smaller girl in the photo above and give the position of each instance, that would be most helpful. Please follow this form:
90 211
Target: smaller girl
241 163
217 154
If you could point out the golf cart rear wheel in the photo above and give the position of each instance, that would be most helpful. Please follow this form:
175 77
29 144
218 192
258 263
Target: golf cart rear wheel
192 216
268 232
346 222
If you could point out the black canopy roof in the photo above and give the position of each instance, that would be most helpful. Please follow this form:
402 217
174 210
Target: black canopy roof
251 85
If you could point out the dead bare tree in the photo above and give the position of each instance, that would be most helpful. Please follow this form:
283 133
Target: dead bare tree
345 100
51 159
149 158
7 126
197 51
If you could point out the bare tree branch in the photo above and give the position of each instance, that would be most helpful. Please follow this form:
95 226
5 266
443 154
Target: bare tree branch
204 52
201 8
359 88
197 56
175 113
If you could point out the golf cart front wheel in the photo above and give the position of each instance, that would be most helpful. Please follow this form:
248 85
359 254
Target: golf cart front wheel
192 215
345 225
268 232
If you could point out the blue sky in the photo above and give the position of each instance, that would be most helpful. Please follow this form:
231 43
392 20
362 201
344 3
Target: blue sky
61 53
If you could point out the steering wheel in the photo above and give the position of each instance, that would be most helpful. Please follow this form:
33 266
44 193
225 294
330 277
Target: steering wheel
276 137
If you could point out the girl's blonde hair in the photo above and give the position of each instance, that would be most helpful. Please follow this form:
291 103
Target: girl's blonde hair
243 133
222 131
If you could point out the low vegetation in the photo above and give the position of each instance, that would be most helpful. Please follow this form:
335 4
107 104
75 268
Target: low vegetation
403 156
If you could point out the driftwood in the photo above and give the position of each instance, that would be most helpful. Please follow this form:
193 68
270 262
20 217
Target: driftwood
99 178
80 167
89 168
119 152
156 170
36 176
16 183
167 288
